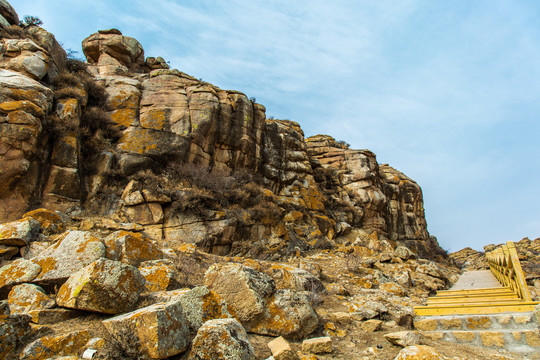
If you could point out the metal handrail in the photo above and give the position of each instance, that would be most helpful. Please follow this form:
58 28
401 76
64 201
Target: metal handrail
504 264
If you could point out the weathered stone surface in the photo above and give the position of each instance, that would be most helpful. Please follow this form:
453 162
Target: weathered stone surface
105 286
52 316
403 338
160 275
113 50
362 309
158 331
532 337
19 233
17 272
26 297
13 329
4 308
200 305
287 314
243 288
49 221
477 322
72 251
7 252
464 336
164 296
52 346
131 248
8 12
492 338
221 339
281 349
425 324
320 345
371 325
418 352
447 324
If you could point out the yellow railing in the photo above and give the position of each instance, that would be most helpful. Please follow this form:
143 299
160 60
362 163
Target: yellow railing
504 264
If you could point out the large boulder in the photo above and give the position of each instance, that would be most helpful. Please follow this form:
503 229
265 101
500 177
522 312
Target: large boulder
19 233
131 248
26 297
243 288
201 305
72 251
157 331
105 286
17 272
221 339
288 314
113 49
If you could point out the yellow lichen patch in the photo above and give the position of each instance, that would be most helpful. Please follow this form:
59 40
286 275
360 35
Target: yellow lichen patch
159 277
49 220
27 94
212 307
155 118
392 288
18 271
139 141
186 247
125 117
293 216
47 264
61 345
23 105
478 322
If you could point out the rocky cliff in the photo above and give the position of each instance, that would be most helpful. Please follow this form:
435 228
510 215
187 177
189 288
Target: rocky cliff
124 139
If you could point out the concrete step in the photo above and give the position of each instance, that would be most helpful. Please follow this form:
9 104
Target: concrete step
465 308
477 300
514 332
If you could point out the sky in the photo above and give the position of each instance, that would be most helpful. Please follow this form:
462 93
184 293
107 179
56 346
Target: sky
447 92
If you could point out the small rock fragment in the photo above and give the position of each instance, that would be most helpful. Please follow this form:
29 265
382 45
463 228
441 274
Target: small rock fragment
320 345
281 349
403 338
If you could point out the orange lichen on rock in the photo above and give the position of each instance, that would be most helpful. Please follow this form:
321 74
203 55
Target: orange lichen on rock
59 345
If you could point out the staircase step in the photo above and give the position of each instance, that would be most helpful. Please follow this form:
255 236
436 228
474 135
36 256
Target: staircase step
471 308
473 296
474 291
478 300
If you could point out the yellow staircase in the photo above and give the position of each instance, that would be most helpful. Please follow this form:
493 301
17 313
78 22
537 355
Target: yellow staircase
510 295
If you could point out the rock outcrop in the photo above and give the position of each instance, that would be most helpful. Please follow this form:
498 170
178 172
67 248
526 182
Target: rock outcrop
123 135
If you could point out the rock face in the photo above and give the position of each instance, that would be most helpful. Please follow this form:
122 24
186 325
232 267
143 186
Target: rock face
106 137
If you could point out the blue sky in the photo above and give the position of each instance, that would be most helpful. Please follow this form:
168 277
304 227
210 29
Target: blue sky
445 91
